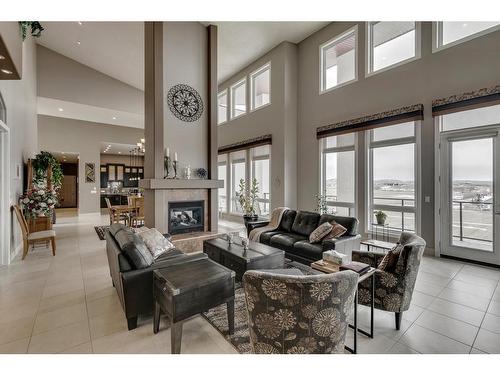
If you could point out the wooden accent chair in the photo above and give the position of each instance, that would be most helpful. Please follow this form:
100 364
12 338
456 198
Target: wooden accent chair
137 214
30 238
114 215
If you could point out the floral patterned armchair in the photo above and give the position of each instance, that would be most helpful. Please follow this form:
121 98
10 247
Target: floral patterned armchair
393 290
293 314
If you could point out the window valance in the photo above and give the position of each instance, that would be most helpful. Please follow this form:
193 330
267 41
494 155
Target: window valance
396 116
249 143
470 100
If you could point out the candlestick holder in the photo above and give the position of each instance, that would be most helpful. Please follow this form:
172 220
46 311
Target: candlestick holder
167 162
175 168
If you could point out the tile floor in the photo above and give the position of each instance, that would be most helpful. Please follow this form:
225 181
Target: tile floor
66 304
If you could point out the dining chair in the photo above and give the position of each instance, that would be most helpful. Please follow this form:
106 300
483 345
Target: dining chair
138 212
114 216
31 238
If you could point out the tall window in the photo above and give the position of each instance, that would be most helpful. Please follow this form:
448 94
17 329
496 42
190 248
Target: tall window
338 173
451 33
238 173
260 85
338 60
245 165
222 175
390 43
261 171
239 98
392 175
222 107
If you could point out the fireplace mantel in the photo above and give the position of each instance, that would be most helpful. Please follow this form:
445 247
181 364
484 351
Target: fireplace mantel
165 184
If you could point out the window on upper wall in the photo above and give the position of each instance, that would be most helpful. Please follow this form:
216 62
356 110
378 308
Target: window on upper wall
260 86
222 175
451 33
239 98
261 171
338 177
390 44
338 61
392 175
222 107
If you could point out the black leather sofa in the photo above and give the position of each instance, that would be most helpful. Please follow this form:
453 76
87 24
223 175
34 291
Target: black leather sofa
132 279
292 235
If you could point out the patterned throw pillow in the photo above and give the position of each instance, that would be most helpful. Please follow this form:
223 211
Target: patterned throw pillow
320 232
156 243
337 231
390 260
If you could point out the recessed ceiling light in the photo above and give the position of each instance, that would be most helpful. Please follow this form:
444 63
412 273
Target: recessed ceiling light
63 152
80 23
464 25
60 109
2 57
114 117
6 71
119 152
78 42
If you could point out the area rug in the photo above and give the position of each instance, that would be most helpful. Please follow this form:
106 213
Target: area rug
217 316
101 231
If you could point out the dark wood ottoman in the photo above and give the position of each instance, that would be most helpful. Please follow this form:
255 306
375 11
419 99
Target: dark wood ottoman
233 256
187 289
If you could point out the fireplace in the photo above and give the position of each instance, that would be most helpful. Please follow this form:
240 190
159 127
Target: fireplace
185 216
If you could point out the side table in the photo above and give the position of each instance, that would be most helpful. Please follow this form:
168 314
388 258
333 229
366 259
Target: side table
186 289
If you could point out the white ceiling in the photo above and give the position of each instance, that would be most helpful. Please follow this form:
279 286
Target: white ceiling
240 43
113 48
117 48
117 148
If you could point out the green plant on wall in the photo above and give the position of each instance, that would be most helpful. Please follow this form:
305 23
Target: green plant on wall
36 28
41 163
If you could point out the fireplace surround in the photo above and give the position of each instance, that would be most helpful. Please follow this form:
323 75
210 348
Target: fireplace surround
186 216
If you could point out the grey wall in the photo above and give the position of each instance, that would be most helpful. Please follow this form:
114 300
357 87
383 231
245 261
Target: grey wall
62 78
185 61
279 119
467 66
20 102
84 138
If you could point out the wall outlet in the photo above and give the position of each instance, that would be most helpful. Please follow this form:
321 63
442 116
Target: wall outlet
427 199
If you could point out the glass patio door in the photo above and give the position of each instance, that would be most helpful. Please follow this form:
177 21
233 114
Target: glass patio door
470 196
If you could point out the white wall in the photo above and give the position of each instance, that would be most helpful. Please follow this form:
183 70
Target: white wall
84 138
278 119
20 101
468 66
185 46
60 77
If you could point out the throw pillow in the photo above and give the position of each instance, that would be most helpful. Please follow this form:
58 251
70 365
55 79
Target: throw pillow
320 232
337 231
390 260
134 249
156 243
140 229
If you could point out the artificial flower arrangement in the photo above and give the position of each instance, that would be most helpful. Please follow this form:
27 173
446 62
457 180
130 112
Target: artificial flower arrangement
39 201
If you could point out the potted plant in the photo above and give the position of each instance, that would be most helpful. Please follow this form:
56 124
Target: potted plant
247 199
381 216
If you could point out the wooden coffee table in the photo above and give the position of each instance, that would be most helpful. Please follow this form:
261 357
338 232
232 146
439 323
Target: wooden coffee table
235 257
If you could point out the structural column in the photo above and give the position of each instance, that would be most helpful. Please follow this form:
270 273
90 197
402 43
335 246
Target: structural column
153 117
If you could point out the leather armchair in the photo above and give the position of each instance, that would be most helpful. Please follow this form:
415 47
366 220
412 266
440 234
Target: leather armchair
393 290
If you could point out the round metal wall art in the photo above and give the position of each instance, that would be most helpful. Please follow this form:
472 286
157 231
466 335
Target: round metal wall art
185 103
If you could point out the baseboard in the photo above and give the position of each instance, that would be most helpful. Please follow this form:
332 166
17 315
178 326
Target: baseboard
16 252
479 263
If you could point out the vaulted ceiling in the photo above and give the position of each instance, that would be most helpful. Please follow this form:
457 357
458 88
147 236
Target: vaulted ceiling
117 48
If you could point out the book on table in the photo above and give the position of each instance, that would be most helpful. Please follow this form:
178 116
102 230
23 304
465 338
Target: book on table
358 267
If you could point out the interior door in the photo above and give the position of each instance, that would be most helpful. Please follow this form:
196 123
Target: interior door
470 195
